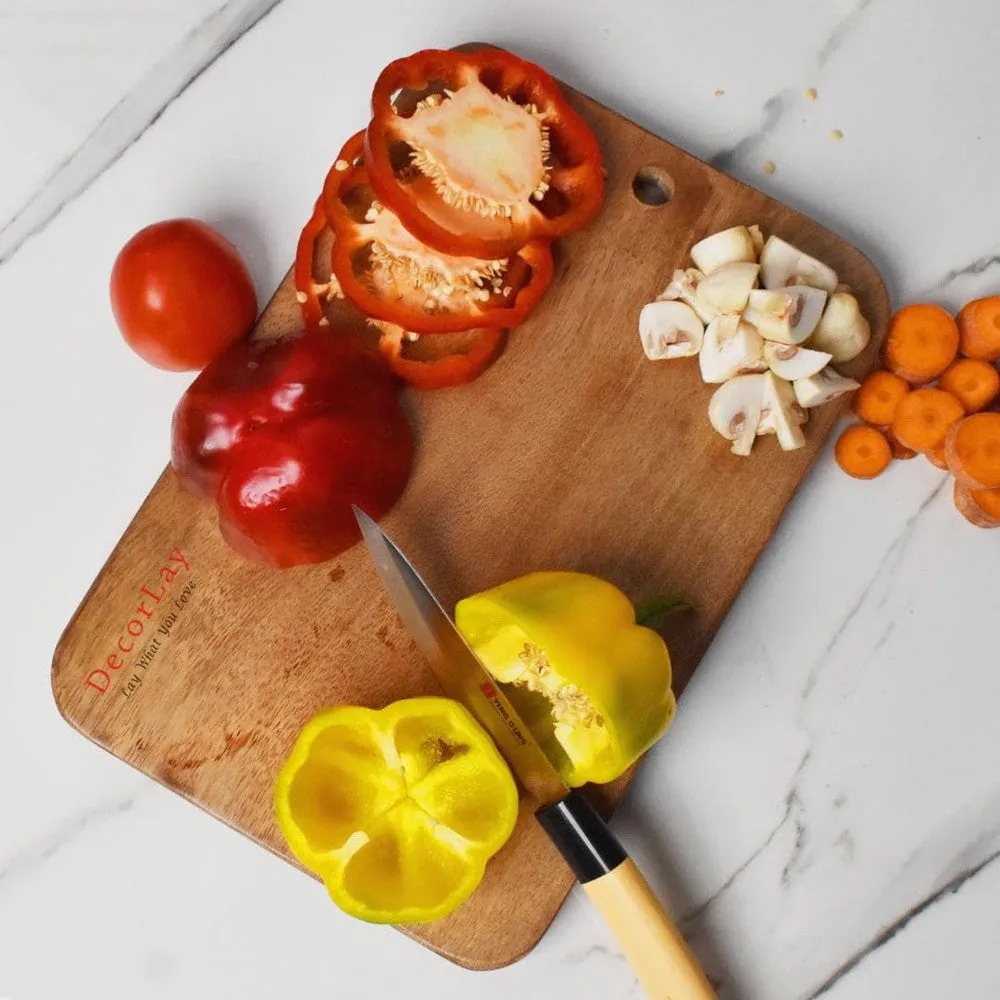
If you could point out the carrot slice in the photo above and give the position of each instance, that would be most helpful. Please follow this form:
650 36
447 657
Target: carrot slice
922 342
900 451
979 329
973 451
876 400
988 501
936 457
978 507
862 452
923 418
973 383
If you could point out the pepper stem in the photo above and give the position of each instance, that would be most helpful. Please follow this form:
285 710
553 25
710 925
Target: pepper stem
652 612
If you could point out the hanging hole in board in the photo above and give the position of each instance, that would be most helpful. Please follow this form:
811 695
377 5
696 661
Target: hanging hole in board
652 186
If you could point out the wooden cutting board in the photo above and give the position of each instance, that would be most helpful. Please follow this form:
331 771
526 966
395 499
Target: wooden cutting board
572 452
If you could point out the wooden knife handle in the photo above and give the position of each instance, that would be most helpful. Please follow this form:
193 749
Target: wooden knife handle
660 958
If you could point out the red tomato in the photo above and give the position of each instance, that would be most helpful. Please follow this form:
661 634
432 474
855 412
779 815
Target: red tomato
181 294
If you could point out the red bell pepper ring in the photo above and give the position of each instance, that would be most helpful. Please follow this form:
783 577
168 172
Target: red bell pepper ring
391 275
489 158
310 292
285 436
307 291
456 368
446 368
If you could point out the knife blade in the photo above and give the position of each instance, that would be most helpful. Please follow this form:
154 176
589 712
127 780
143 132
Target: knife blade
661 959
457 668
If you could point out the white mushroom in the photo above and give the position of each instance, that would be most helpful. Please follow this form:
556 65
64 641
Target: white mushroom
730 348
768 425
731 246
727 289
822 387
757 238
682 287
788 315
790 362
782 264
670 330
734 410
842 331
780 414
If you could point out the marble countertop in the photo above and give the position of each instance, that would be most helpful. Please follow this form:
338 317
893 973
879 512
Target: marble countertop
824 816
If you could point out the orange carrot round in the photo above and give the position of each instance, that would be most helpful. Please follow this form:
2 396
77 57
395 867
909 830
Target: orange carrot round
973 383
988 501
936 457
979 329
978 507
921 343
876 400
924 417
973 451
900 451
862 451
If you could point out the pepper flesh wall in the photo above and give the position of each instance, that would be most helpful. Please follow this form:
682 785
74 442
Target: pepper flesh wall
593 686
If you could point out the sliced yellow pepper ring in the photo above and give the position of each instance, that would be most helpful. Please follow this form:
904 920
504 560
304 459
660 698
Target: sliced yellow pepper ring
593 687
397 810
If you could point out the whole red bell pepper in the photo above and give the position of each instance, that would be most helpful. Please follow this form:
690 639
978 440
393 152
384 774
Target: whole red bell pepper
285 436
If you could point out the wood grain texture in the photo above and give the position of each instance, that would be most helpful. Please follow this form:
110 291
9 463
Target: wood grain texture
572 452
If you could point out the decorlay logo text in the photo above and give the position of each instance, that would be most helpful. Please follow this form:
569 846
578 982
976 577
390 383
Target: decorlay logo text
131 644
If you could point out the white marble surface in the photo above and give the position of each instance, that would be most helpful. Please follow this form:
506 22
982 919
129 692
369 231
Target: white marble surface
825 814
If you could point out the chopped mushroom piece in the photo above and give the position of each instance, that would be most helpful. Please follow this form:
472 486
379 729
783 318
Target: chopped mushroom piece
670 330
734 411
731 347
768 424
727 289
842 331
682 287
788 315
822 387
782 264
780 413
731 246
790 363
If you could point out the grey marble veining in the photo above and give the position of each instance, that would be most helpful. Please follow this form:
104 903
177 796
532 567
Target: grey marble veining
779 105
40 850
137 111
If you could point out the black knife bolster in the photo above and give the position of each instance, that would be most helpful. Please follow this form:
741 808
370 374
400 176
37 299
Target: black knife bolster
583 838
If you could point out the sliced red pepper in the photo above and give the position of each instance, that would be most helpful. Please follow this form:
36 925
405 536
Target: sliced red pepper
310 292
306 290
444 371
391 275
481 153
458 358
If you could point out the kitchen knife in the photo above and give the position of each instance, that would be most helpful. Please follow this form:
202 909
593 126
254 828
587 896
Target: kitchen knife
658 954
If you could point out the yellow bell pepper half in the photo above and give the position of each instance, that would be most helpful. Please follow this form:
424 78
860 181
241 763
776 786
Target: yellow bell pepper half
397 810
591 684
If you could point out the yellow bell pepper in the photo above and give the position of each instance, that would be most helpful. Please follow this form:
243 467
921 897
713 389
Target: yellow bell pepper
592 685
397 810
